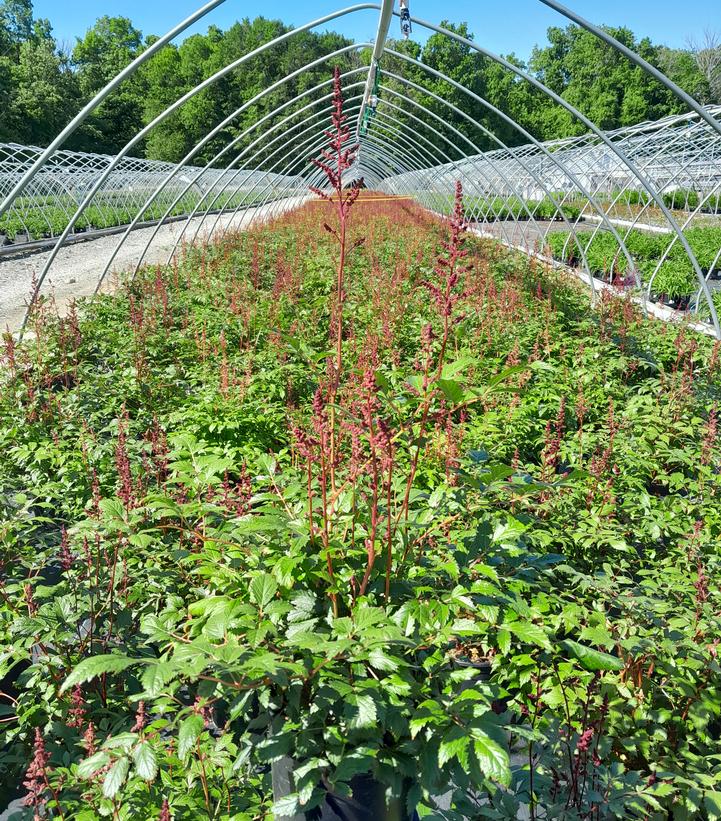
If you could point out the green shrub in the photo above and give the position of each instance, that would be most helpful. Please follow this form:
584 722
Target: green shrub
712 204
705 244
637 197
604 255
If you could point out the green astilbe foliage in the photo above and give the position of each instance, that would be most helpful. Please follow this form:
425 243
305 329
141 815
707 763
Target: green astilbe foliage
549 635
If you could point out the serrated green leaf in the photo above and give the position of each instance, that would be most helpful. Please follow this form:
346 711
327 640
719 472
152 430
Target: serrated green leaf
503 638
287 806
455 744
378 659
492 758
262 589
95 666
303 607
115 777
712 803
354 763
366 714
88 767
188 734
529 632
592 659
275 747
452 390
146 764
155 677
364 616
452 369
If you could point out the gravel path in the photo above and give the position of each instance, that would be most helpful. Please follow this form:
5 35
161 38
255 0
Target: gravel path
74 272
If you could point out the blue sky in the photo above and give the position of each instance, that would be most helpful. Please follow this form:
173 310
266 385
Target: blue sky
513 25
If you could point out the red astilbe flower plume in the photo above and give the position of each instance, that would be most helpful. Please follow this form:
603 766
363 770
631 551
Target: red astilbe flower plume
89 738
339 156
141 719
448 267
710 435
76 713
66 557
36 777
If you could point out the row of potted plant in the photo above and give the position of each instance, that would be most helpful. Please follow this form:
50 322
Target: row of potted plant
48 220
675 278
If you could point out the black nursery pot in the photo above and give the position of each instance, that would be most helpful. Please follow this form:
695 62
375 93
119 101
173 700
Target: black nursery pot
366 803
482 667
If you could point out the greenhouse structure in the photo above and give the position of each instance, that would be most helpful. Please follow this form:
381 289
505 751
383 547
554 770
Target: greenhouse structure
661 177
364 464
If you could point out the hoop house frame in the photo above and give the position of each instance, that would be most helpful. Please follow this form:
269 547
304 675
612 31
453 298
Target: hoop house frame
586 183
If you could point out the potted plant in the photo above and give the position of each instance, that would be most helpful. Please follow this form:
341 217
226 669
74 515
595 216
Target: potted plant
674 283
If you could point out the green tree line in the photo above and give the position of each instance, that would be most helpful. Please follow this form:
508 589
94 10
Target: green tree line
43 84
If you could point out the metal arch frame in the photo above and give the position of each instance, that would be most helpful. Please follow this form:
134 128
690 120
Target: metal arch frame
645 182
380 159
217 218
402 130
270 114
317 138
455 164
693 213
314 137
54 192
195 181
85 112
469 158
285 172
635 58
628 161
511 185
584 241
217 129
636 220
316 175
209 81
554 159
574 147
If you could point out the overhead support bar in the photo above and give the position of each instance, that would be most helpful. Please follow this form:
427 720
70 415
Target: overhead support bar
384 24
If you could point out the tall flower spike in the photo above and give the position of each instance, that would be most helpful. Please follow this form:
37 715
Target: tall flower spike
448 268
339 156
36 778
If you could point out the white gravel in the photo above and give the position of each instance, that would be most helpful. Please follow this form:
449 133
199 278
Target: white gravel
75 270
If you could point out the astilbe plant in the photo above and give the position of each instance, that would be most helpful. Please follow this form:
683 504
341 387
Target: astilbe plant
446 292
336 160
379 475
